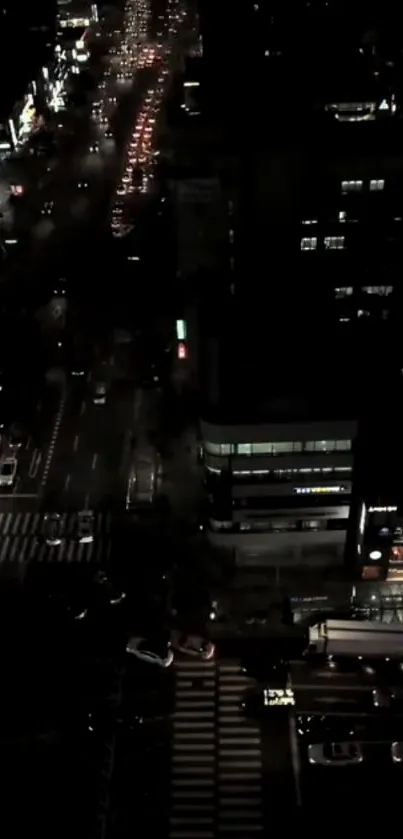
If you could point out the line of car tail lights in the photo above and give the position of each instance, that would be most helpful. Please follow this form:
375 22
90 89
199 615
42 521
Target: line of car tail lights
138 173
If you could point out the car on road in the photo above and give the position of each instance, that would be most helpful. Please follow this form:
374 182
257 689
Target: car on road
47 209
99 396
8 471
152 653
82 185
85 523
52 528
193 645
94 147
15 436
335 754
382 699
396 751
108 590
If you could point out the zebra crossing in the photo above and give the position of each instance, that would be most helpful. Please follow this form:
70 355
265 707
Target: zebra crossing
20 539
216 771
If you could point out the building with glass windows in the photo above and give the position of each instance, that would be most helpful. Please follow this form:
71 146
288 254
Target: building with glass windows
279 429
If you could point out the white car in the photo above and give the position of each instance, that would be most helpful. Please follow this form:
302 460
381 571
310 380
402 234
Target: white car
85 527
8 471
194 645
141 649
396 751
52 529
335 754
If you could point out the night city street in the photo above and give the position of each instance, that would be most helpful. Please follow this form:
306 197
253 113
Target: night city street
201 529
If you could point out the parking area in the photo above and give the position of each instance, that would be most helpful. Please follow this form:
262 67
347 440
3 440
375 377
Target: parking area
347 729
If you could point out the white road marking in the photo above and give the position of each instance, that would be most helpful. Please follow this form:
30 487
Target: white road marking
53 440
94 461
87 502
83 404
75 443
67 482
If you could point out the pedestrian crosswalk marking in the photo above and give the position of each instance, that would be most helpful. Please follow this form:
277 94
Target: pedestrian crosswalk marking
216 767
21 539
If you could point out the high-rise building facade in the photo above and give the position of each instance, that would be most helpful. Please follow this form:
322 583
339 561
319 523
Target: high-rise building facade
301 339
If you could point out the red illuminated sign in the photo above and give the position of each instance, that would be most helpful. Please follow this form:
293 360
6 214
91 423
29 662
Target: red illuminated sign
182 351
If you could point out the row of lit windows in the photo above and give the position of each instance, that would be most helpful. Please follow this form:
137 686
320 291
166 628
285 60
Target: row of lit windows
375 290
342 218
331 243
278 526
376 185
319 446
283 474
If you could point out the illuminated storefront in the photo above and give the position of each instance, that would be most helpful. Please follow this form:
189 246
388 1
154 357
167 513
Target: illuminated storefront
24 119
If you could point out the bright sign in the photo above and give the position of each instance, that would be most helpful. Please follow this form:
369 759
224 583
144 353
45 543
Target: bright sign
181 330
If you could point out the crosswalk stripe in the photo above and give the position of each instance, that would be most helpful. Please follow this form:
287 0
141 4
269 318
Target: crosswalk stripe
193 714
194 754
22 523
194 782
245 802
188 694
16 523
235 789
7 523
195 725
189 769
216 758
4 549
194 747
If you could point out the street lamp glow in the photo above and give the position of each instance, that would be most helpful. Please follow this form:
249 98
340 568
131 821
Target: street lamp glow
375 555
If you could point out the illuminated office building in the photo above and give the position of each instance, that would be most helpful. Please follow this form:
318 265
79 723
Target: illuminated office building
301 337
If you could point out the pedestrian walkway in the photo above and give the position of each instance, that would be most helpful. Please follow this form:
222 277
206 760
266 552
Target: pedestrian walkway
31 524
21 539
216 774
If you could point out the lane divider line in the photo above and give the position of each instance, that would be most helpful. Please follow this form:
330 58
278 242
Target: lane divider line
53 441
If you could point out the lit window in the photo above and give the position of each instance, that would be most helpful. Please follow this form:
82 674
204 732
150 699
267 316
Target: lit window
325 446
343 292
376 186
309 243
334 243
283 448
379 290
218 449
262 448
244 448
351 186
325 490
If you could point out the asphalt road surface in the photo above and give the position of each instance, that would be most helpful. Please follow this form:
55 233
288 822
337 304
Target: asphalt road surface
217 772
89 468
